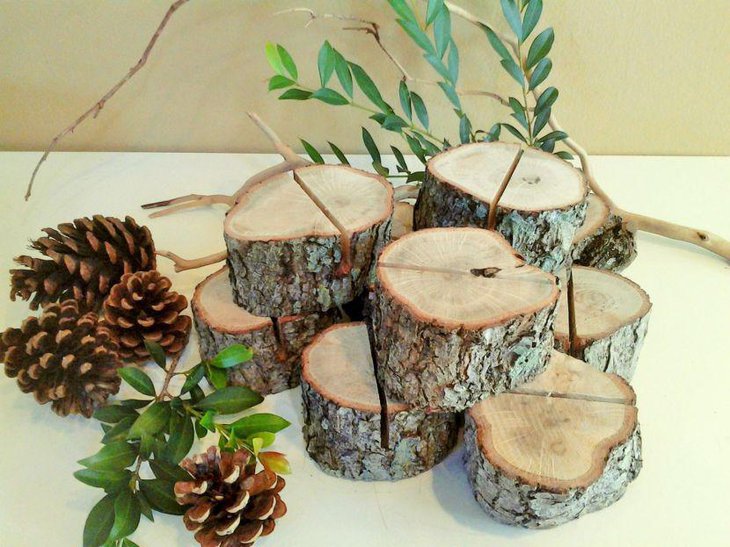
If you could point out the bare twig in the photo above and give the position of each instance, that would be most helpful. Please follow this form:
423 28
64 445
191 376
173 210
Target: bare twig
182 264
185 202
492 216
93 112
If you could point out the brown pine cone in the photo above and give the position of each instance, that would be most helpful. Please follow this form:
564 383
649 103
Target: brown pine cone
87 257
63 356
230 507
141 307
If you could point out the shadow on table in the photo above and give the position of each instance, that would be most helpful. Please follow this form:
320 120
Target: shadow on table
454 494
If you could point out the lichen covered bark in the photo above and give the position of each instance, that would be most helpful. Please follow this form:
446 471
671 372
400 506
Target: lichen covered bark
611 247
295 276
346 442
511 501
276 364
544 238
428 366
617 353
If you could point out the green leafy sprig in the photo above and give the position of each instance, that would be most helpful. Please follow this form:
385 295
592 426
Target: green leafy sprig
158 431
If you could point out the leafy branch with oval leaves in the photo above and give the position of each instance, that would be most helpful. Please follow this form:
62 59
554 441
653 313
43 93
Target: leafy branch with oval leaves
150 436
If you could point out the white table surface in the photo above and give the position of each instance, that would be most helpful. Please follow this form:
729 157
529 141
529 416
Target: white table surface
682 382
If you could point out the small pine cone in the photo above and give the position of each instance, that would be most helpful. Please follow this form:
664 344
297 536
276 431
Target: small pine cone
85 259
63 356
141 307
229 506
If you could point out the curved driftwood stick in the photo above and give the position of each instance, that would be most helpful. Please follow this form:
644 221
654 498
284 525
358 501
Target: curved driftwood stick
406 191
186 202
182 264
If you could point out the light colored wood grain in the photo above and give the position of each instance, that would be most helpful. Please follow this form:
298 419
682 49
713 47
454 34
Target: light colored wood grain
596 216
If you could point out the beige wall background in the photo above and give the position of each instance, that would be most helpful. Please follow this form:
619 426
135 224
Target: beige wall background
636 77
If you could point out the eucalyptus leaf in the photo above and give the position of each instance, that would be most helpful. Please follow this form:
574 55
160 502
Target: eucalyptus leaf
256 423
126 542
546 100
553 136
540 73
161 497
370 145
394 123
417 35
287 61
337 152
541 120
217 377
157 353
453 62
416 148
266 438
380 169
548 145
404 95
402 165
433 9
208 420
316 158
120 430
113 456
99 522
279 82
562 154
230 400
512 14
295 94
330 96
272 55
516 132
511 67
138 380
416 176
402 8
169 472
196 394
442 31
144 507
464 129
126 515
342 69
439 66
325 63
531 18
368 87
497 44
540 47
518 112
420 107
450 93
136 403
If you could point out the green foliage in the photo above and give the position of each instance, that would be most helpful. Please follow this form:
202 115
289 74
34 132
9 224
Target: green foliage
159 433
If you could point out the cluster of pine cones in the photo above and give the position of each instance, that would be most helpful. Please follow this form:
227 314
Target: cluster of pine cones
101 299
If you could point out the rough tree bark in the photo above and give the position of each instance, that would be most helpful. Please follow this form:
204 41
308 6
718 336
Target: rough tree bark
539 212
611 321
459 316
346 422
564 445
277 343
305 241
603 241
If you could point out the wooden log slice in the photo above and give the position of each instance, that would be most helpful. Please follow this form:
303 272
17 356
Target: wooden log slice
612 317
305 241
563 445
343 414
277 343
459 316
402 220
539 212
603 241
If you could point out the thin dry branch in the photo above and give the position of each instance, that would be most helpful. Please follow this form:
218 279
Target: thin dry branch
93 112
182 264
185 202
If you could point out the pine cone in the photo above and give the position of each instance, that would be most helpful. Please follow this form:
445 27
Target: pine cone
87 257
141 307
230 507
63 356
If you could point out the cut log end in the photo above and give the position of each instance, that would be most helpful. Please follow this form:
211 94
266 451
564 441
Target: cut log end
612 318
603 241
459 316
342 414
565 444
305 241
539 211
277 343
402 220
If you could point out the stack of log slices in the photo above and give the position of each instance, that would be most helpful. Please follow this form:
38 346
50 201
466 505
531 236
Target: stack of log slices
459 318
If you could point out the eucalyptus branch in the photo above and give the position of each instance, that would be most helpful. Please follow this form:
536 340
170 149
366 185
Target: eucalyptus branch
96 108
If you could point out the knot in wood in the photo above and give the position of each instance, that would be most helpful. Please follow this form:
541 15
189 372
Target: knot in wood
485 272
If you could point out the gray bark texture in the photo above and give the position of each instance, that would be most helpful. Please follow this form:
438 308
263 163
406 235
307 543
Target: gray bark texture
428 366
346 442
511 501
611 247
544 239
617 353
296 276
272 368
